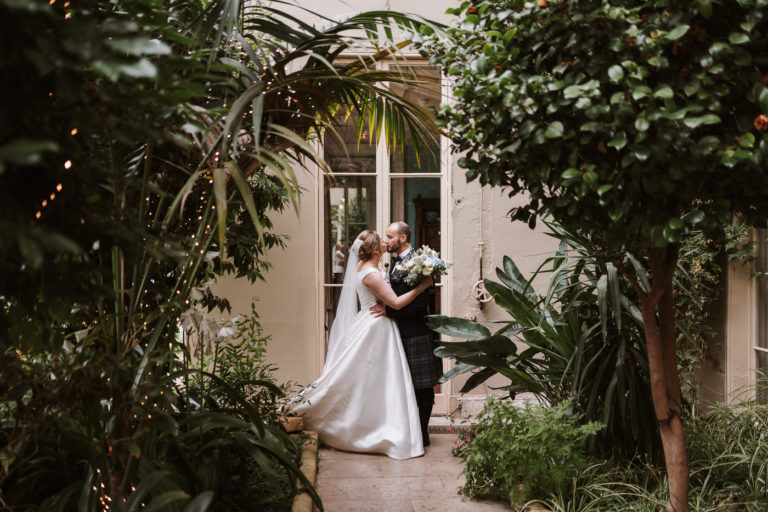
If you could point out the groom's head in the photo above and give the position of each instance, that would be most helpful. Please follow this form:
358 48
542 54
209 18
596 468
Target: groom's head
397 237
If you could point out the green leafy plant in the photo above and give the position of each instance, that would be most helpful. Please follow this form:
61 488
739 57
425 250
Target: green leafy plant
161 137
581 337
521 453
631 123
727 449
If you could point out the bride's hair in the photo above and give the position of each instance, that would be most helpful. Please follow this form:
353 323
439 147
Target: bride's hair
371 241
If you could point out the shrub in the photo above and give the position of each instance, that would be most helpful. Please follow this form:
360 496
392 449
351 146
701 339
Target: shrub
728 461
523 453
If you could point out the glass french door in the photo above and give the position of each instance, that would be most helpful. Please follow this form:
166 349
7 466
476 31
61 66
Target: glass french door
369 186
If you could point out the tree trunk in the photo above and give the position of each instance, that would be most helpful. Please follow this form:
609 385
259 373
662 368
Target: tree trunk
662 363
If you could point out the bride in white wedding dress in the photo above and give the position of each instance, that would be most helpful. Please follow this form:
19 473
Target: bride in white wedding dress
364 399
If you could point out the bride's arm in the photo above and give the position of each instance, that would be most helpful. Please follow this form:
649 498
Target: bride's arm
382 290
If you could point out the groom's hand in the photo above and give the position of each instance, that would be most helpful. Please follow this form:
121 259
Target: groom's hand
378 310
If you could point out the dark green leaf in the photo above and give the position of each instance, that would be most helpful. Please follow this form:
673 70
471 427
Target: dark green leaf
458 327
678 32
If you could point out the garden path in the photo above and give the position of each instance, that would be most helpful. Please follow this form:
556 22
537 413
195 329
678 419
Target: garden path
375 483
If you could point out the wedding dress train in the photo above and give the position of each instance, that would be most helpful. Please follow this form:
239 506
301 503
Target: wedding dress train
364 400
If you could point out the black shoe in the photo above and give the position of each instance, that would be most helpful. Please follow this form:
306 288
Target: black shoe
425 441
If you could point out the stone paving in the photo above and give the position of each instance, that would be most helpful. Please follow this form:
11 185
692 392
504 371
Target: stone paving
357 482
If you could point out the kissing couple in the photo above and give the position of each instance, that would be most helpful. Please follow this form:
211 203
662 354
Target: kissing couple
376 391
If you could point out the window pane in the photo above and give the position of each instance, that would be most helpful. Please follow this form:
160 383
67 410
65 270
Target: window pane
416 201
410 157
342 151
350 207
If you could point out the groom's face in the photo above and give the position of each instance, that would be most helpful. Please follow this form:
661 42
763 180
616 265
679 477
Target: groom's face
393 239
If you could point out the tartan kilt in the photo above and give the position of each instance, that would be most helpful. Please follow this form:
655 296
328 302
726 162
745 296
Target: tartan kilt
426 368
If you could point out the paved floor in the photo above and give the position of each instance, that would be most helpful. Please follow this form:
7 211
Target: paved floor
375 483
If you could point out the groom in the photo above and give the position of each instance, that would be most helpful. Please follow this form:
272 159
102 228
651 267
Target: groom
418 339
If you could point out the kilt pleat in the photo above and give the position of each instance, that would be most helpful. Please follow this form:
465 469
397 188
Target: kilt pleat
426 368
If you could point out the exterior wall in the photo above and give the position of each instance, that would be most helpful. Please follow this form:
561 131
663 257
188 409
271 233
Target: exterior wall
483 232
728 373
740 330
287 301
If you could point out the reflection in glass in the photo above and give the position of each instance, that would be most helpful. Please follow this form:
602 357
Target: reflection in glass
350 207
427 93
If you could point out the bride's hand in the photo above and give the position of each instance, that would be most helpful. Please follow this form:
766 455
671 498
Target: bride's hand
426 283
378 310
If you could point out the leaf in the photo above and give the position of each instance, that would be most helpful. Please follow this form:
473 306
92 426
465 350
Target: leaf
613 286
738 38
591 126
640 92
763 99
664 92
200 503
570 174
554 130
678 32
457 327
642 124
139 46
671 235
141 69
692 122
220 195
705 8
477 378
26 151
148 482
615 73
694 217
602 301
162 501
747 140
602 189
245 193
692 88
572 91
497 345
456 370
617 143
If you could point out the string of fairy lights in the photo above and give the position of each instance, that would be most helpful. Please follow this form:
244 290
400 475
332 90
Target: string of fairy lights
199 242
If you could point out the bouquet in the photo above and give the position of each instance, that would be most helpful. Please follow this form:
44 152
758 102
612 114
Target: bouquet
425 262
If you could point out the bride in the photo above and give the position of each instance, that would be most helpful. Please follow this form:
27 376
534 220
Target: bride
364 400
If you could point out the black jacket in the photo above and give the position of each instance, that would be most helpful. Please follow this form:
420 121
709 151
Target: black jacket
411 320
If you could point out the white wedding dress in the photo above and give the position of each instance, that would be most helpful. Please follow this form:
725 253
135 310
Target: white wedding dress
364 400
